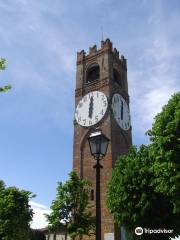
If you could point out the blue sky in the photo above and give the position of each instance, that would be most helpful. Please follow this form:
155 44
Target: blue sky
40 39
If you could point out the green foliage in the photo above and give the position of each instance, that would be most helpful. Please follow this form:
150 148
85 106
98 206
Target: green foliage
144 189
71 207
2 67
129 179
15 213
165 151
2 63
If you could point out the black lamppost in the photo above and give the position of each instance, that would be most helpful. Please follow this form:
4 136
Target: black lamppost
98 143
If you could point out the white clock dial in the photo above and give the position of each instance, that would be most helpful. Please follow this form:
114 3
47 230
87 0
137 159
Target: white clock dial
121 111
91 108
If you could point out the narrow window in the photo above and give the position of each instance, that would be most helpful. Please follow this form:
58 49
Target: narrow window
92 194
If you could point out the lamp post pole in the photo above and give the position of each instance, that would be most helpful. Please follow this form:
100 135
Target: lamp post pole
98 143
98 200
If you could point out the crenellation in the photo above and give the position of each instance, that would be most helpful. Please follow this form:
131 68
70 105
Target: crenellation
93 49
116 53
81 55
106 45
124 61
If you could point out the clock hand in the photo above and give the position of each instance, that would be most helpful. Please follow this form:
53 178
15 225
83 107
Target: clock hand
91 107
121 110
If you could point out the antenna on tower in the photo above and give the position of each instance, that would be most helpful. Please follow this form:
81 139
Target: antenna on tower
102 33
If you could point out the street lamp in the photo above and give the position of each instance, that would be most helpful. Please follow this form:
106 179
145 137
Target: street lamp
98 143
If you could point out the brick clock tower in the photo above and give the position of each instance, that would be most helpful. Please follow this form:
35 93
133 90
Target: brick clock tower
101 101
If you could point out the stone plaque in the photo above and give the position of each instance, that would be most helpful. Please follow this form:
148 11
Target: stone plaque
109 236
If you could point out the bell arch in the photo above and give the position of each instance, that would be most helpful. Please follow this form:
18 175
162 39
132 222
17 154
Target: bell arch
92 73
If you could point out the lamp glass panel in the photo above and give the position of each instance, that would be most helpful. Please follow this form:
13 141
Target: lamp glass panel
98 145
95 144
104 145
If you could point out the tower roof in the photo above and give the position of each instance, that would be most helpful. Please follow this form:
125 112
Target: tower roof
106 46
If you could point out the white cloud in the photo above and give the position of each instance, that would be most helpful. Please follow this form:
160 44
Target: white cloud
39 220
155 75
149 105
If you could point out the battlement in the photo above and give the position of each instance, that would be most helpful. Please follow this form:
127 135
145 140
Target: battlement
106 45
81 55
93 49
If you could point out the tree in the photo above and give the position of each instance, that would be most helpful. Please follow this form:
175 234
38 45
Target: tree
15 213
144 189
2 67
165 151
71 208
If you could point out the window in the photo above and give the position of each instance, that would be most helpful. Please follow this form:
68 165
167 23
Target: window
92 194
92 73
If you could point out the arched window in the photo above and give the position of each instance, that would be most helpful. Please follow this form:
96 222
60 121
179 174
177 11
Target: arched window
117 77
92 73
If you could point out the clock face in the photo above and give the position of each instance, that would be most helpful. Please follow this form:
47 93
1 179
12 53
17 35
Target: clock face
121 111
91 108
